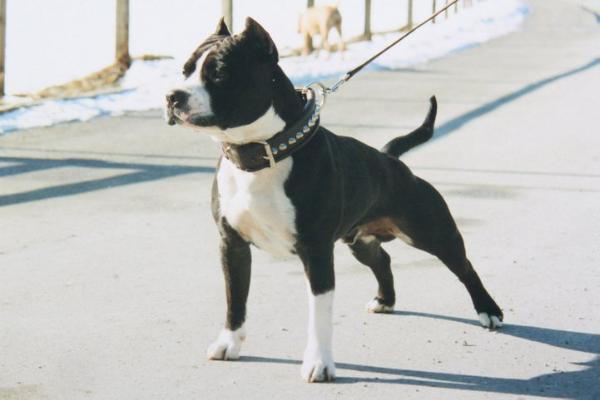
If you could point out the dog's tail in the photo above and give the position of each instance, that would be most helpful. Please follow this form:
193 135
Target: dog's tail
402 144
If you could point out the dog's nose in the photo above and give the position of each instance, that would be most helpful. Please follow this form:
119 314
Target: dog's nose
177 97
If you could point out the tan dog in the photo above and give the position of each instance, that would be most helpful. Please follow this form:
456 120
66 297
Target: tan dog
319 20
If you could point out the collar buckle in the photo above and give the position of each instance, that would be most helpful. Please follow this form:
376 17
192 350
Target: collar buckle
269 153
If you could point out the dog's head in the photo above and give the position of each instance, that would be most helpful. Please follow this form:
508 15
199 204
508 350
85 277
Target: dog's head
235 87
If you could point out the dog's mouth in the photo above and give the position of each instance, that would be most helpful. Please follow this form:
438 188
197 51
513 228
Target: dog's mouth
202 120
177 116
172 119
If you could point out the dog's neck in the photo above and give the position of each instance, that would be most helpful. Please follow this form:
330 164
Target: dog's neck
287 101
286 109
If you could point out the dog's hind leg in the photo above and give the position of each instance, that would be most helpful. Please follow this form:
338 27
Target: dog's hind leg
429 226
325 38
490 315
317 364
368 250
341 45
308 44
235 260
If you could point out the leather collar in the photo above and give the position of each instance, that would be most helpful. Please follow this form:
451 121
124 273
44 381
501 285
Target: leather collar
255 156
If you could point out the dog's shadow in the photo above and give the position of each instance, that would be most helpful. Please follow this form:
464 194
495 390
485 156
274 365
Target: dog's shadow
572 385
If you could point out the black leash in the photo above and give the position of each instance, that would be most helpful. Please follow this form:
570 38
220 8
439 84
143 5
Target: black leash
352 72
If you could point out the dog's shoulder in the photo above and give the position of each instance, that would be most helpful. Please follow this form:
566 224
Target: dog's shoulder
341 151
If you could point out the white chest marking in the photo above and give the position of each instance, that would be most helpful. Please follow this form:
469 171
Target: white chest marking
255 204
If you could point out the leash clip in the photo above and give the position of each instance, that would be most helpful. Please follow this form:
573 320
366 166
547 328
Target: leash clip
322 91
319 91
337 85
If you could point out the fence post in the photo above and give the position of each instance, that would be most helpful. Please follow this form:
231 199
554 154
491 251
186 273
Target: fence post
433 10
456 7
122 48
367 32
2 43
227 8
310 3
446 12
410 14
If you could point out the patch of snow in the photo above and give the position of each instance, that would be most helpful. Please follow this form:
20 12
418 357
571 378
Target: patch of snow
146 83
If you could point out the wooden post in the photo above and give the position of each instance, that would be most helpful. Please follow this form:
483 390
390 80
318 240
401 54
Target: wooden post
433 10
446 12
227 8
310 3
2 43
456 7
410 14
367 32
122 47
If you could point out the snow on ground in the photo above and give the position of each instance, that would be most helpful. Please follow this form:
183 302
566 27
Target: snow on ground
147 82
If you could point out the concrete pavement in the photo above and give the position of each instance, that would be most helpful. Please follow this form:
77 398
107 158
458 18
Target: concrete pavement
110 286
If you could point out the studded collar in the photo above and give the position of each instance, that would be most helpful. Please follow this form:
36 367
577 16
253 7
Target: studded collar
255 156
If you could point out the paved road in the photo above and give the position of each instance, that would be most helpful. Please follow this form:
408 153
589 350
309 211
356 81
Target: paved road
110 286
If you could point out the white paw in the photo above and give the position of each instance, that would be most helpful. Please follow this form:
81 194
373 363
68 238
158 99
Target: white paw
317 367
489 321
374 306
227 346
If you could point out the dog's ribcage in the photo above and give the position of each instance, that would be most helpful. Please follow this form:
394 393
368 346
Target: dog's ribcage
256 206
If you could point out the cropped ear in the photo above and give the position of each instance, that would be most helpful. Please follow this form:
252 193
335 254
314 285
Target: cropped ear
190 65
222 28
257 33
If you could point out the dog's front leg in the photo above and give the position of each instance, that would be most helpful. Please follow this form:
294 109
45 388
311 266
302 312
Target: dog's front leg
318 364
235 260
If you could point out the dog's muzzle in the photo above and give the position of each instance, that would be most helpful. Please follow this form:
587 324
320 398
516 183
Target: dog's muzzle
176 103
178 111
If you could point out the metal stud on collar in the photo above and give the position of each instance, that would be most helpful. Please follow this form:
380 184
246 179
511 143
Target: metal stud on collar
315 89
318 90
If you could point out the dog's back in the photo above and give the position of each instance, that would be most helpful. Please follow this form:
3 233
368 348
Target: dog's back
317 17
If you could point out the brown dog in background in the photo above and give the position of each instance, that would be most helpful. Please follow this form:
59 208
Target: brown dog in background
319 20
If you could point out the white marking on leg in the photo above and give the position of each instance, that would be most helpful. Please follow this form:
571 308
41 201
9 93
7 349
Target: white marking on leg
489 321
484 319
318 365
374 306
228 345
496 323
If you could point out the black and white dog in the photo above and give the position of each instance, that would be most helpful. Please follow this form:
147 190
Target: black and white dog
290 186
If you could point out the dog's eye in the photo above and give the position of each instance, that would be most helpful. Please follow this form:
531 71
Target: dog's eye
214 72
220 76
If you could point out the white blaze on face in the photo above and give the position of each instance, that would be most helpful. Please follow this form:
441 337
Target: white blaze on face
199 104
199 101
